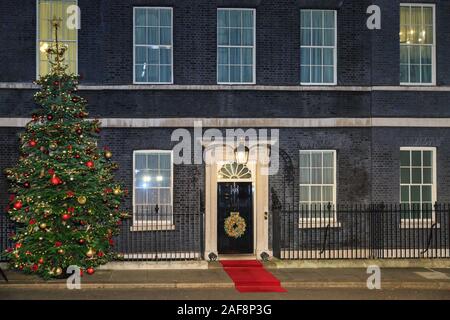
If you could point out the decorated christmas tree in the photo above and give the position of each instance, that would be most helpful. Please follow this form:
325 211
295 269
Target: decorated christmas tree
64 199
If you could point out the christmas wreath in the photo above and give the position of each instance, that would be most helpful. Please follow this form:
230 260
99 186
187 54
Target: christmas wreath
235 225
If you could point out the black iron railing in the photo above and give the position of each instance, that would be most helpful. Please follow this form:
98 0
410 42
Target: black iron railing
362 232
152 234
157 234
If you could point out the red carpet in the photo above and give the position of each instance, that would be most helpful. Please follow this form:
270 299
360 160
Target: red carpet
250 276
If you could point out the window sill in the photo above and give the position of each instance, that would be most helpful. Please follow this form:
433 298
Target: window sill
160 226
418 224
318 223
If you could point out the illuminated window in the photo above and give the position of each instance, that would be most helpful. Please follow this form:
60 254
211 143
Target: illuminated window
152 185
47 11
417 44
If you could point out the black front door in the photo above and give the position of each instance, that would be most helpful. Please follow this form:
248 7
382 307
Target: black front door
234 199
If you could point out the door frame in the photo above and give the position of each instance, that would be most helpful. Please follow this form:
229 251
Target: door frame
260 183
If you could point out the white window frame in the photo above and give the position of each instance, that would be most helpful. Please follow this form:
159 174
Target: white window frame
433 47
320 222
38 40
335 48
415 223
142 225
134 46
229 46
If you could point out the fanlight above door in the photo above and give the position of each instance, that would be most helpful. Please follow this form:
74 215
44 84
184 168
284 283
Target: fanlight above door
234 171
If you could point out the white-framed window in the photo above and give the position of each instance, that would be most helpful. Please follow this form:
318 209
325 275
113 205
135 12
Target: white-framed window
236 46
417 44
417 182
318 53
317 184
153 45
152 186
46 12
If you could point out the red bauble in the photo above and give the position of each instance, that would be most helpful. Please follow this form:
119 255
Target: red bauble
18 245
49 117
55 180
51 171
34 117
58 244
56 83
81 241
35 267
90 164
77 156
32 143
26 184
81 272
41 261
100 254
79 131
18 205
90 270
66 216
32 221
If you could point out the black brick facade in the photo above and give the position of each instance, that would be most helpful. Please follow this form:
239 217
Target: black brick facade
367 158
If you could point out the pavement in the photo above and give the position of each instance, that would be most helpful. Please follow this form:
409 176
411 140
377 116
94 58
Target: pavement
214 277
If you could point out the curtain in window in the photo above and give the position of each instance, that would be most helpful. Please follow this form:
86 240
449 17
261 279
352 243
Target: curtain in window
416 44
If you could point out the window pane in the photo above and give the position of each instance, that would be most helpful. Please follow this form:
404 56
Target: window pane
317 39
235 56
404 54
328 159
235 18
141 35
305 18
222 18
405 175
166 36
223 56
328 37
305 56
247 56
306 37
140 73
316 56
224 73
426 74
166 17
405 158
304 194
141 55
427 156
327 193
152 17
415 193
305 159
305 74
165 56
247 19
416 175
223 36
247 74
328 176
426 193
165 73
316 74
316 176
235 74
328 57
317 19
427 175
304 176
404 194
247 37
328 19
415 54
141 17
316 159
404 73
235 37
414 73
316 193
153 55
416 158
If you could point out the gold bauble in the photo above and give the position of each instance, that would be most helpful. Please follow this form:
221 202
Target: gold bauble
90 253
43 226
108 154
61 251
58 271
117 191
53 146
81 199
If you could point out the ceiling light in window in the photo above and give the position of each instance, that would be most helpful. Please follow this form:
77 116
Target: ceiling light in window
143 70
44 47
147 178
159 178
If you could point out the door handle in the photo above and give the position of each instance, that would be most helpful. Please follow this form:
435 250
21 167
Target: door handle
266 215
